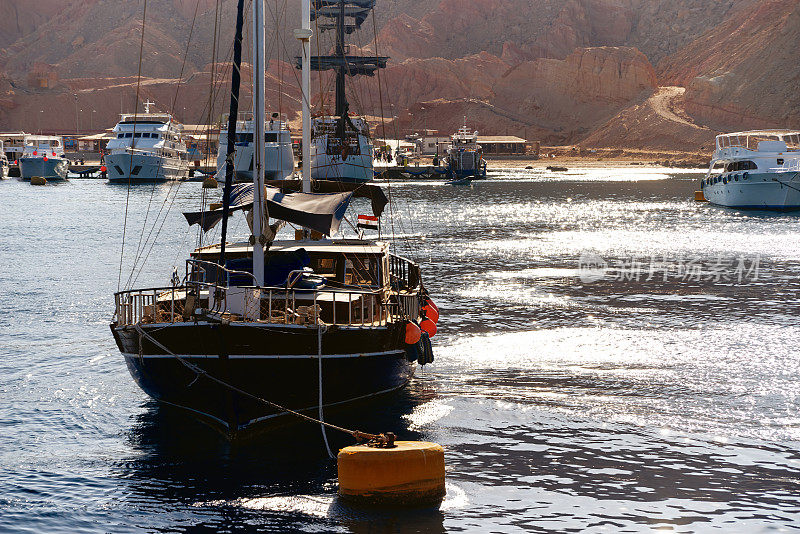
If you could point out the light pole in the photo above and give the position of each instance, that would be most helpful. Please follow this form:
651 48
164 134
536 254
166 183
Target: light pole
91 120
77 129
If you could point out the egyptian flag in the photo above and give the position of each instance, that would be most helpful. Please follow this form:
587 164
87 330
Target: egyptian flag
367 222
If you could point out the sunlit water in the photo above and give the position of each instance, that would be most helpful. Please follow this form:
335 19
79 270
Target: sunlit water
654 389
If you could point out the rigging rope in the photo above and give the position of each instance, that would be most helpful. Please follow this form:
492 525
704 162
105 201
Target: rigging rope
141 247
128 195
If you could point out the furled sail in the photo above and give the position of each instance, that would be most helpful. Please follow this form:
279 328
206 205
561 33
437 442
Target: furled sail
322 212
352 65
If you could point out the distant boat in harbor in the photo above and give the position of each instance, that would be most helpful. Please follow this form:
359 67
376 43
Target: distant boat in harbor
341 144
464 159
3 162
43 155
148 147
757 169
279 157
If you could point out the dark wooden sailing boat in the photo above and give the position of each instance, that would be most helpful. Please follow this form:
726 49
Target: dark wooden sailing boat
305 324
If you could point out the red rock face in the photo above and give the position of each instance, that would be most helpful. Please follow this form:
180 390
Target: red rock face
557 69
573 94
743 73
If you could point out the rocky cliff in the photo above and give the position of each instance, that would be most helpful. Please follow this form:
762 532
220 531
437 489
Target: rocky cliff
563 71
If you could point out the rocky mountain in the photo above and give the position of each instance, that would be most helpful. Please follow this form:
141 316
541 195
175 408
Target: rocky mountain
560 71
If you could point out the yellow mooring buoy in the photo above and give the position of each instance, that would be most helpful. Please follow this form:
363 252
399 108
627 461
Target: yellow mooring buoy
700 197
38 180
409 474
209 182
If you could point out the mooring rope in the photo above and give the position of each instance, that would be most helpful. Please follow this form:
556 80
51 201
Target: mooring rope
386 439
320 329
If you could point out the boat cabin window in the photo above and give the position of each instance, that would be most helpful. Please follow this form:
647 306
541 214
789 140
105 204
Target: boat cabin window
362 270
780 161
128 135
741 166
324 266
244 138
270 137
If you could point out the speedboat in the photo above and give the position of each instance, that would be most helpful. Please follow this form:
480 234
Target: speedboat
148 147
43 156
279 157
757 169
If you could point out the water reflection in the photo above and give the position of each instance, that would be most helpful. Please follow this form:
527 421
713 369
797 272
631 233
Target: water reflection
282 479
618 404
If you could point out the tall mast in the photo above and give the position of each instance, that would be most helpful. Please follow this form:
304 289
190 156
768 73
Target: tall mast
260 213
341 102
232 116
340 12
304 35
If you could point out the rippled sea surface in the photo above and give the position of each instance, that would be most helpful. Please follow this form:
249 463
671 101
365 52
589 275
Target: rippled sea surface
611 357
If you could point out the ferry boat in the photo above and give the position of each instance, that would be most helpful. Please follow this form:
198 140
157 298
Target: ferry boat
757 169
43 155
148 147
263 326
279 156
464 156
341 144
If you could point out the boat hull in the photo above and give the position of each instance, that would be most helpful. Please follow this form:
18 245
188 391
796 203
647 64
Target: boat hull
356 168
772 191
357 365
149 168
51 170
278 162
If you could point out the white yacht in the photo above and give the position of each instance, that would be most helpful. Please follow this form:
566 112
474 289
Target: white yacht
345 155
43 155
756 169
148 147
279 157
